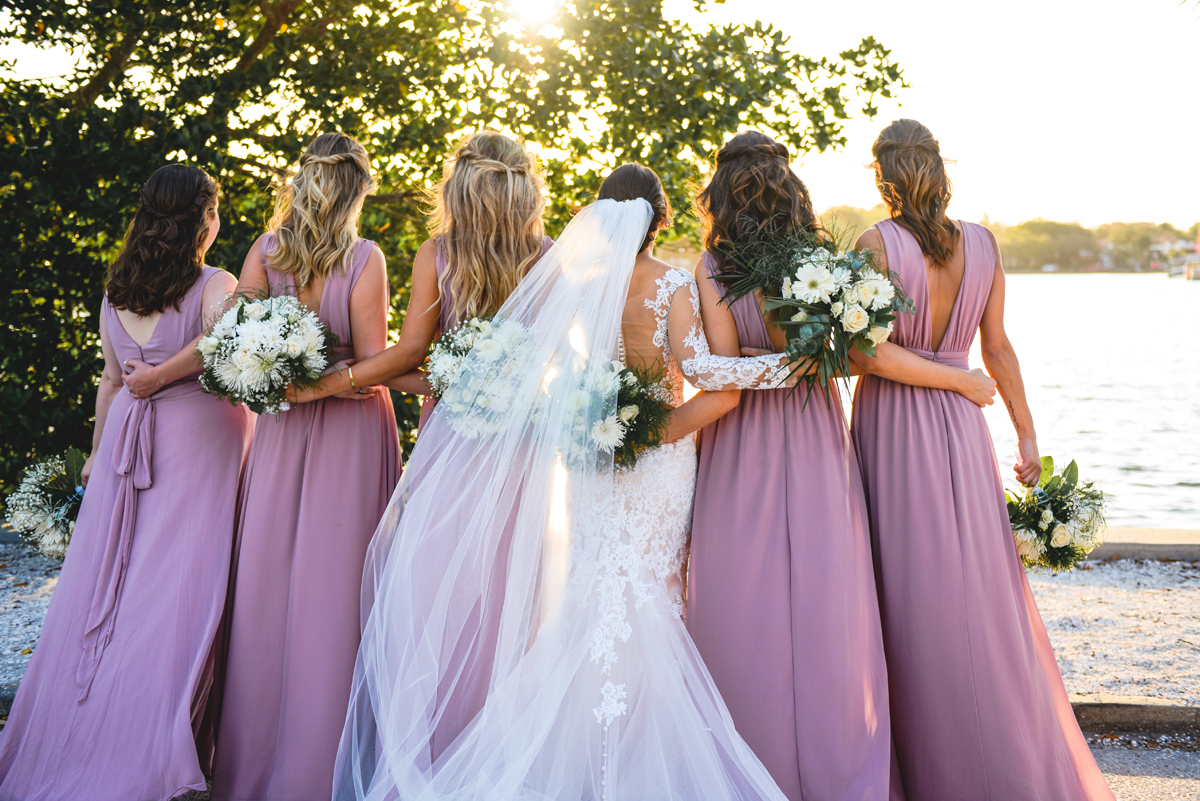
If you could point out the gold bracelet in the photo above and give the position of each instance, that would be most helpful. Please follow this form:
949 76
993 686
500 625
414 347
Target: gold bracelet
350 372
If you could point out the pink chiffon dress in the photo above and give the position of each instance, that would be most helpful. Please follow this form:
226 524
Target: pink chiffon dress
317 482
979 710
781 594
113 700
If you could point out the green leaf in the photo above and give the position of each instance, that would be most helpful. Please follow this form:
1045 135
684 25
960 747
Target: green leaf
1047 470
1070 476
74 461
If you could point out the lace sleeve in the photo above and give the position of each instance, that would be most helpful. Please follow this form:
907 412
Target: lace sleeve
702 368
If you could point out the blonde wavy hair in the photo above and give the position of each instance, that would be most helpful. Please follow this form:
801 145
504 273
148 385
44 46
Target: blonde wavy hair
487 211
911 175
316 212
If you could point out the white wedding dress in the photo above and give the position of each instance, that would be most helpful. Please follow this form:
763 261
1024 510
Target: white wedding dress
543 595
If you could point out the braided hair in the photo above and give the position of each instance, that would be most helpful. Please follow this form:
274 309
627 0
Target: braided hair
162 256
487 214
911 175
317 211
752 185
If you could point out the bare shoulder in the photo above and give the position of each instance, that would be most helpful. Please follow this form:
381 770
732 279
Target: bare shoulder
221 281
871 239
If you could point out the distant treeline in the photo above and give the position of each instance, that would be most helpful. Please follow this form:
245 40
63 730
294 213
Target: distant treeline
1032 245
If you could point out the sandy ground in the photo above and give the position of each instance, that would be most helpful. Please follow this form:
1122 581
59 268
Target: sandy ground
27 581
1126 627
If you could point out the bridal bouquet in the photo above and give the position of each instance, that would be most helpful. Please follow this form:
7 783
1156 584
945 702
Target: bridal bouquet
43 509
476 369
628 409
827 299
1057 523
259 347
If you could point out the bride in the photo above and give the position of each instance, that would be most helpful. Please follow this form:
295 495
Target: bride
522 634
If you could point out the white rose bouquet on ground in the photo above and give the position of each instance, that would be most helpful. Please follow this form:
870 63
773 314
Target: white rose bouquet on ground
1057 523
259 347
476 369
44 507
828 299
620 412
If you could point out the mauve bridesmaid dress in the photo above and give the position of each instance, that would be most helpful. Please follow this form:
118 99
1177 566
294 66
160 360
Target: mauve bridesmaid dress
781 597
112 701
979 711
318 479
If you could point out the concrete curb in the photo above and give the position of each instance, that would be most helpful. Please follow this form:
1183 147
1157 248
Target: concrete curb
1149 543
1105 713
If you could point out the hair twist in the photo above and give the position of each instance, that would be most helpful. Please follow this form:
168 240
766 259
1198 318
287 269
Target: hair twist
911 176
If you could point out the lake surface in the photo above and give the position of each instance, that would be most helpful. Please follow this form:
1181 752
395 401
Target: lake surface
1112 372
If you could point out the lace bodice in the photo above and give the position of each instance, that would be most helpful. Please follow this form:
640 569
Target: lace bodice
679 338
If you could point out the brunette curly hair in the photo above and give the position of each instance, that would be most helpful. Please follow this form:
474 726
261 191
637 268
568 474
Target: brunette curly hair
753 185
632 181
911 175
161 258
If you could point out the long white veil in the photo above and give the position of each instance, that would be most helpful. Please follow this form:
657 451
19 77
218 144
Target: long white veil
508 648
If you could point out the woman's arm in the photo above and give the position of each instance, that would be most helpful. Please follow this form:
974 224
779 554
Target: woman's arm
110 385
412 382
418 331
700 410
1001 361
146 379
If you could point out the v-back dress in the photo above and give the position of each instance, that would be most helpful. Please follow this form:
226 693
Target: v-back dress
318 479
781 593
114 695
979 710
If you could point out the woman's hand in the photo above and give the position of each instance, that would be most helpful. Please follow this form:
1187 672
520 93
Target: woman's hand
756 352
86 472
1029 465
363 393
978 387
144 381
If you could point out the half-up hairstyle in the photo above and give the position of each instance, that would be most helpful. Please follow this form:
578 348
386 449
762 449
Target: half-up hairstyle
911 175
487 214
316 212
161 258
752 190
633 181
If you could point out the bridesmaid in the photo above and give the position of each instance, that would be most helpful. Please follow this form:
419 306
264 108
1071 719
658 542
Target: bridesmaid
487 224
979 710
111 704
317 481
781 595
487 221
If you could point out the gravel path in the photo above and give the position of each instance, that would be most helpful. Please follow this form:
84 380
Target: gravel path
1149 774
26 582
1126 627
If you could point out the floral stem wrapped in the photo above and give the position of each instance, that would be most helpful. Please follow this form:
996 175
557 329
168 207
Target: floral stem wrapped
259 347
44 508
828 299
1057 523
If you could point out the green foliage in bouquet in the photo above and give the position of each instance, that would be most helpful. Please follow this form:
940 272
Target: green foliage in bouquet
643 408
1057 523
44 507
827 297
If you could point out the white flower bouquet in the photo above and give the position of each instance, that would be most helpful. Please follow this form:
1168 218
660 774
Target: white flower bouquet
827 299
1058 522
44 507
259 347
476 369
620 412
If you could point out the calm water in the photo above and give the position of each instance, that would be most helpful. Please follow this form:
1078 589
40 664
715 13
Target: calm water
1112 371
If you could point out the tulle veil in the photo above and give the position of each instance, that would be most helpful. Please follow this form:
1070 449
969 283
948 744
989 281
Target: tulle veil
510 649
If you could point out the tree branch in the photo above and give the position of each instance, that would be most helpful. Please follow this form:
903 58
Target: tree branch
276 15
117 56
389 199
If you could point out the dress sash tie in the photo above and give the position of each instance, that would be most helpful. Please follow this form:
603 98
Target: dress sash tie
132 460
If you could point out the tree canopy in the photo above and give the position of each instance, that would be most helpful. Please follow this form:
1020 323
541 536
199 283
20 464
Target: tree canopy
239 88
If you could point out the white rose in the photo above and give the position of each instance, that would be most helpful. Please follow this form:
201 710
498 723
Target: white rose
255 311
294 346
243 360
854 319
631 380
800 316
208 345
490 349
1060 536
787 288
628 414
878 334
837 308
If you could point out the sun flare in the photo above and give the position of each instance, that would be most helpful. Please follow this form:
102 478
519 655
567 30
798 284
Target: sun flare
533 12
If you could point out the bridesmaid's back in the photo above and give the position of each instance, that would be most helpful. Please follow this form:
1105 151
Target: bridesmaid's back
175 327
907 263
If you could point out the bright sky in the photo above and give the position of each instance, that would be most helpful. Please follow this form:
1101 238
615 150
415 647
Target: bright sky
1051 108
